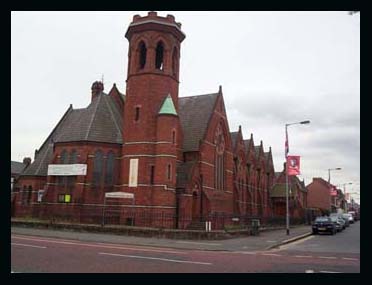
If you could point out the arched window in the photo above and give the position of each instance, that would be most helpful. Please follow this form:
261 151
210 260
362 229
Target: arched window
219 141
109 178
97 169
63 158
174 137
29 194
73 157
137 114
72 160
174 62
169 171
24 195
142 55
159 64
152 174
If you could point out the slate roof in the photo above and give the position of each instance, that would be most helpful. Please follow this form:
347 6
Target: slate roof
101 121
257 150
246 144
39 166
267 158
16 167
194 113
234 137
278 190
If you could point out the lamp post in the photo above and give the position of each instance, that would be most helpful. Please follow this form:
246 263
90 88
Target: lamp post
344 185
329 173
286 173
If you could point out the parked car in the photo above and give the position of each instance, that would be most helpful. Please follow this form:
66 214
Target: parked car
354 214
348 217
324 224
339 222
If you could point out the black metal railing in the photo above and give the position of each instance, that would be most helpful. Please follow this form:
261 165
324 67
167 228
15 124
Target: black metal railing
155 218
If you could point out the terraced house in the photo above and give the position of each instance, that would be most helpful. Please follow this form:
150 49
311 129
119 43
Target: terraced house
174 157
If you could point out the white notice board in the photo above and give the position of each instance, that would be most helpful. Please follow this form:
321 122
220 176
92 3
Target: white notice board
67 169
133 172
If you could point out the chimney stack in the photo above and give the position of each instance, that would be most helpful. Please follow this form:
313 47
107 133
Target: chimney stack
27 161
97 88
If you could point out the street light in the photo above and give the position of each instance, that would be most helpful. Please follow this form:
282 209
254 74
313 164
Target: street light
286 173
344 184
329 173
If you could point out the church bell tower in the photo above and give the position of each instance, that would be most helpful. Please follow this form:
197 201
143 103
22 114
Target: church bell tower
151 123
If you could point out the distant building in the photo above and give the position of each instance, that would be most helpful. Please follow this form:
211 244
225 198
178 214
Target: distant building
16 169
297 194
320 196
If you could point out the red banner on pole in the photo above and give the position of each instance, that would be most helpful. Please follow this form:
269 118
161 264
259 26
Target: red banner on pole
333 190
293 165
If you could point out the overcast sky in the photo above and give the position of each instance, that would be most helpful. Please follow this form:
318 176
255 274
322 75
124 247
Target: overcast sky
274 68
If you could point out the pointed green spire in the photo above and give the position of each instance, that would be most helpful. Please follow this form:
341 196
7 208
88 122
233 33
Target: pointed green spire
168 106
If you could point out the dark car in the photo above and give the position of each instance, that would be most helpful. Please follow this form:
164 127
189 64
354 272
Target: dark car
324 224
339 223
346 219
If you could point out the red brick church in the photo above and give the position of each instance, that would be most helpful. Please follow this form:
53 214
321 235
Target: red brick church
176 155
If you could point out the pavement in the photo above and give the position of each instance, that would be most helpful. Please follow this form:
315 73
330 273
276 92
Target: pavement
266 240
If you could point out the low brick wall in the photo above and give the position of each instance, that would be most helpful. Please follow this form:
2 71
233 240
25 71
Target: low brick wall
125 230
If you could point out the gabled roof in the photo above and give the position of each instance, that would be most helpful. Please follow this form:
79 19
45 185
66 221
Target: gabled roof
101 121
257 150
194 113
39 167
234 137
279 189
268 159
246 144
168 107
16 167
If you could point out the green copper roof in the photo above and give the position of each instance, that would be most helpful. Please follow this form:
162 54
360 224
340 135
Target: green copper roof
168 106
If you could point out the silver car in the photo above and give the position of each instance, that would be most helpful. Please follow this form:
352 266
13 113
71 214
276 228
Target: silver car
349 217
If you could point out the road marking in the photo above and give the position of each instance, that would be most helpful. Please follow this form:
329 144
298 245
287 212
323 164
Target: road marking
303 256
271 254
327 257
102 246
203 243
29 245
155 258
271 241
309 271
349 258
329 271
285 246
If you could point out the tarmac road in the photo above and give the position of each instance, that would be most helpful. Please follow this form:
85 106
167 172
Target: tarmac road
315 254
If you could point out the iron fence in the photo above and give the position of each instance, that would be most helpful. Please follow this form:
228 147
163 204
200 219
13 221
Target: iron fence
155 218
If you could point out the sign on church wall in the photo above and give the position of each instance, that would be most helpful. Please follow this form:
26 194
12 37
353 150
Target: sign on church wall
40 194
133 172
67 169
119 195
